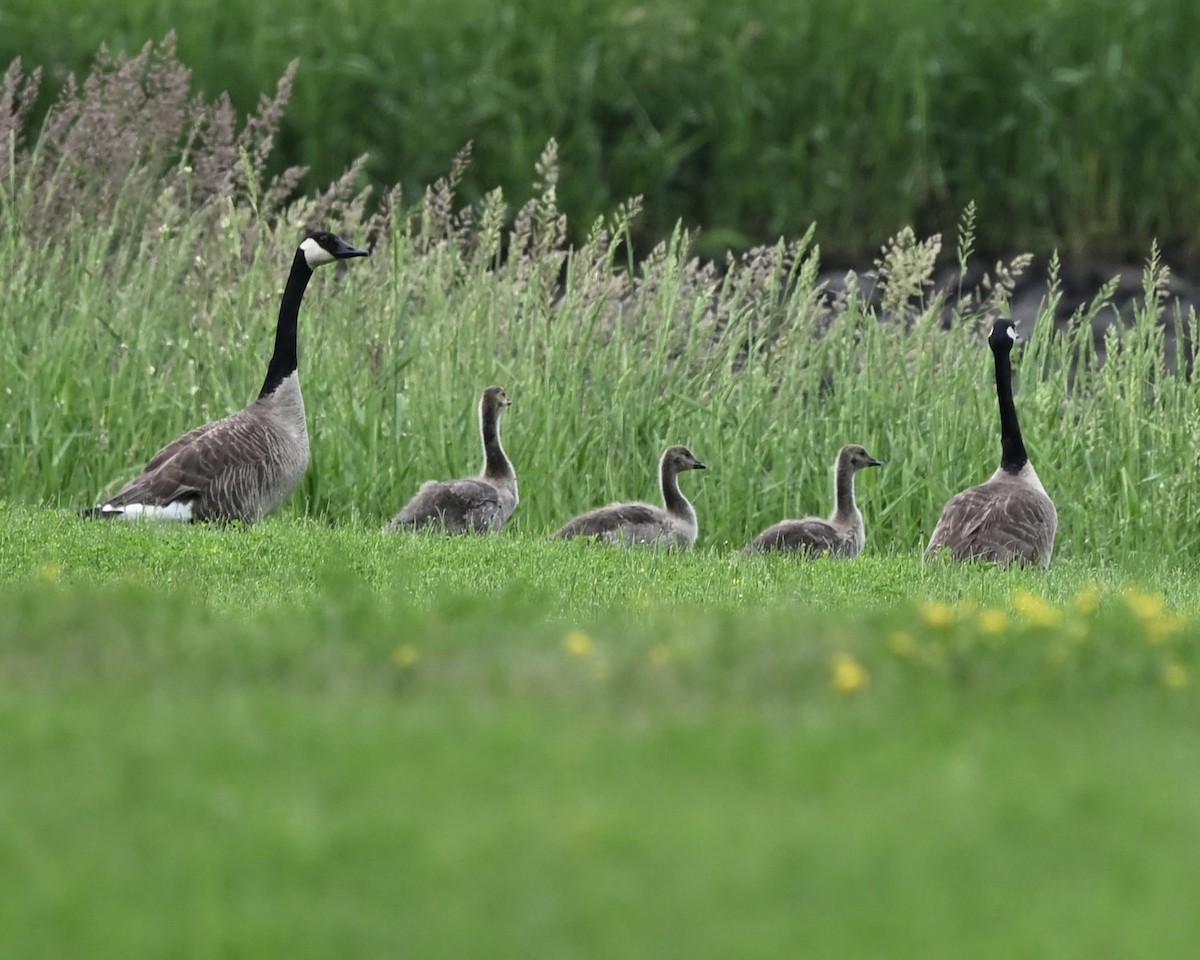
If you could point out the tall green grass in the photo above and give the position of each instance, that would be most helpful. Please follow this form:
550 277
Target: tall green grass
1070 124
112 346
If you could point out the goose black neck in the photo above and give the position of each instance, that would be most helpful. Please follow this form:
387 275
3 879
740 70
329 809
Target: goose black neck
496 464
1012 448
283 360
674 502
843 489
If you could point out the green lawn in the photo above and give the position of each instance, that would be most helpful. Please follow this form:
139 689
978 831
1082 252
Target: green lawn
299 741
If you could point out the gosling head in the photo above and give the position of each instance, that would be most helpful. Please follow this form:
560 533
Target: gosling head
1003 336
680 458
321 246
856 457
495 399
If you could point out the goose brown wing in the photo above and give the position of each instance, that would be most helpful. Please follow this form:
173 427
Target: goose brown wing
997 522
811 535
179 443
207 463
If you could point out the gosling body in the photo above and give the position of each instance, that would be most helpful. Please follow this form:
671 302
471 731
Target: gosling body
479 504
842 535
673 524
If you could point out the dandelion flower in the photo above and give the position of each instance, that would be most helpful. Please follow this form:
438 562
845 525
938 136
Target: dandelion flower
405 656
901 643
1036 610
1145 606
51 572
849 676
578 644
1087 600
937 614
1175 675
1158 629
992 621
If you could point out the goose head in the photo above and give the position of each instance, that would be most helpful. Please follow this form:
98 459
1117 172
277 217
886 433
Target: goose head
494 398
321 246
856 457
1003 336
680 458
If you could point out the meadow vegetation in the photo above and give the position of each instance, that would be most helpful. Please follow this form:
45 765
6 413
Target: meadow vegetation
1067 123
304 737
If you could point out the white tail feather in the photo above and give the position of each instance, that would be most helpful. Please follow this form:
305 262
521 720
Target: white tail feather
146 511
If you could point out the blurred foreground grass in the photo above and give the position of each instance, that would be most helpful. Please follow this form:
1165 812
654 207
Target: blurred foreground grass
295 741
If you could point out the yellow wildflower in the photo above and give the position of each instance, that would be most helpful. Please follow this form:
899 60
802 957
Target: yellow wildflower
51 572
578 644
992 621
1158 629
405 656
901 643
1145 606
1175 675
849 676
1036 610
937 614
1087 600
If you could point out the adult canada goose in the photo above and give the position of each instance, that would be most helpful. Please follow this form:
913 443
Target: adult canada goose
242 466
1009 518
671 525
843 534
476 504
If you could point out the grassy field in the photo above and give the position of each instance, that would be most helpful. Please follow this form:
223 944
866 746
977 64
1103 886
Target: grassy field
306 738
296 740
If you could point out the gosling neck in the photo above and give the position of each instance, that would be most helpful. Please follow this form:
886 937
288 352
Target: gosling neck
846 510
496 465
674 502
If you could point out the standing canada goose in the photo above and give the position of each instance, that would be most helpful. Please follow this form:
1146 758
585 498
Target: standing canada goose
843 534
242 466
671 525
1009 518
475 504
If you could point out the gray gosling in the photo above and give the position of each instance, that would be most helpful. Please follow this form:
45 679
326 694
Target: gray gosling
1009 518
473 505
671 525
843 534
245 465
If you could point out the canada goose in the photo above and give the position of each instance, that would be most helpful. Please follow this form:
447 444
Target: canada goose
842 534
671 525
242 466
476 504
1009 518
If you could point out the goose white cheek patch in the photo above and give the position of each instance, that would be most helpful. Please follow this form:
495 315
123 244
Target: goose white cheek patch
314 253
144 511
